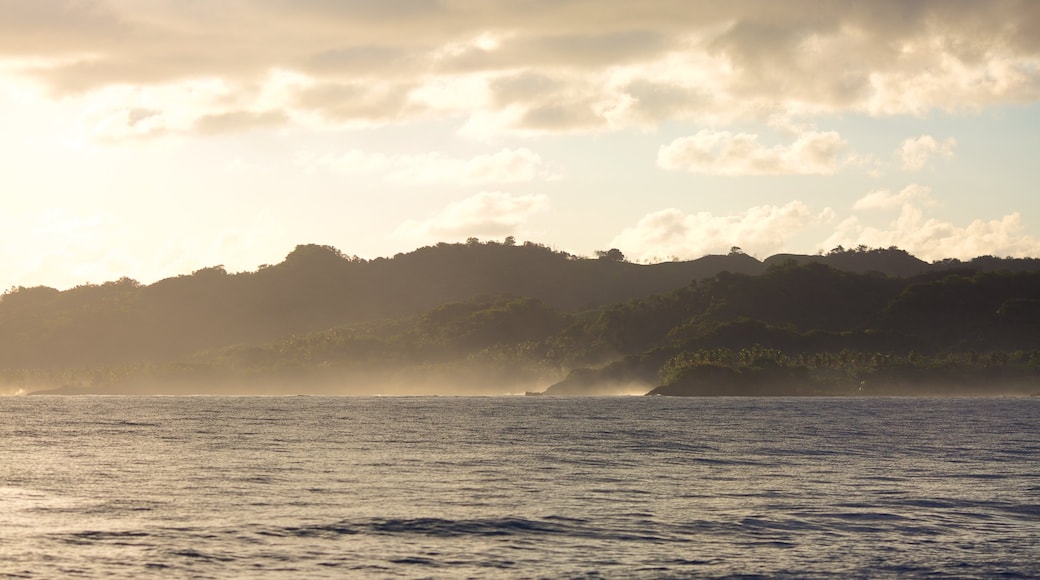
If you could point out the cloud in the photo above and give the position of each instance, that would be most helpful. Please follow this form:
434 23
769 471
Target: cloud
931 238
652 100
574 48
884 199
761 230
610 66
765 230
505 166
934 239
239 121
915 153
725 153
485 214
354 101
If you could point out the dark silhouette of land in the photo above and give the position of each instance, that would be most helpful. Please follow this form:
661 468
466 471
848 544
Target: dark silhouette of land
494 317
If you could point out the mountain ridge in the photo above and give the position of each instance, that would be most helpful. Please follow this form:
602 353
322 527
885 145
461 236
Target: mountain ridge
318 287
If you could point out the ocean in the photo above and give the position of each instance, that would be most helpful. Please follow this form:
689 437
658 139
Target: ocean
519 487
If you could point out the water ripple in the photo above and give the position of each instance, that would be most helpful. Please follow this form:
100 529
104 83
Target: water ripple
317 487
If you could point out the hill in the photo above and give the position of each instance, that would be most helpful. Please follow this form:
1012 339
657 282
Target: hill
486 317
813 329
314 288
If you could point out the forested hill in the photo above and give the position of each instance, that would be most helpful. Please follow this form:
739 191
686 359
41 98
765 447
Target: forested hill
812 329
318 287
314 288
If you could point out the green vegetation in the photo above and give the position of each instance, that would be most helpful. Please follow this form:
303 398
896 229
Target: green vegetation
506 317
757 371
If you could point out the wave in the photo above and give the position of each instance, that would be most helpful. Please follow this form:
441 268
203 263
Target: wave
448 528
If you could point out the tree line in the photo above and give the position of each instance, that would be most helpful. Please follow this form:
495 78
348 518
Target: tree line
511 316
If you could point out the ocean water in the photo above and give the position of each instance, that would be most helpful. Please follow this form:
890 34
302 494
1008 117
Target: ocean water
518 487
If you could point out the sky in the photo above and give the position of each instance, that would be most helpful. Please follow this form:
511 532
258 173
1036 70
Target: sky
152 138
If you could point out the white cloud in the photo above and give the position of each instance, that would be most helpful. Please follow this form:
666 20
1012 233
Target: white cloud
761 230
884 199
128 112
765 230
484 214
724 153
930 238
915 153
934 239
504 166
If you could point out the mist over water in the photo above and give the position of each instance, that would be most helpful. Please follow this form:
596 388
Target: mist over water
227 487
